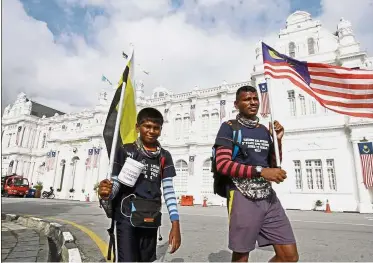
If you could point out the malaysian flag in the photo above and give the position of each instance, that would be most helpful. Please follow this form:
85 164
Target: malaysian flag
47 166
222 109
342 90
366 157
264 100
193 112
88 160
166 115
191 165
52 159
95 157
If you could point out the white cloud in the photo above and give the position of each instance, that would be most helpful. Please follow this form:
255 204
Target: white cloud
171 46
359 13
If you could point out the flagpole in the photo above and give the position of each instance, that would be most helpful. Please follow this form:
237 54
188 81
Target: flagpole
277 152
117 124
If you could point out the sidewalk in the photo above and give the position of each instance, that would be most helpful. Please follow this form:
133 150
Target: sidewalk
22 244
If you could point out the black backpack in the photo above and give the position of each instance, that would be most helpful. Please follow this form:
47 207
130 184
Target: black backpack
221 181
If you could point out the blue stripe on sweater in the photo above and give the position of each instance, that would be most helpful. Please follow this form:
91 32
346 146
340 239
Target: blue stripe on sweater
170 198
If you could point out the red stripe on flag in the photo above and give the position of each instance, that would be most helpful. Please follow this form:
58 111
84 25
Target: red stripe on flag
328 66
342 75
367 168
306 89
342 85
340 100
343 95
264 104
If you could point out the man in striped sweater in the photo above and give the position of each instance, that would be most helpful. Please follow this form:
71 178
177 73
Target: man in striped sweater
255 212
137 244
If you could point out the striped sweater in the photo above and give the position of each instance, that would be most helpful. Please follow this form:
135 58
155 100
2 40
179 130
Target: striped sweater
170 198
226 166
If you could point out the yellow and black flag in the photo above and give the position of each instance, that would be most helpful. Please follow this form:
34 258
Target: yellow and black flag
127 127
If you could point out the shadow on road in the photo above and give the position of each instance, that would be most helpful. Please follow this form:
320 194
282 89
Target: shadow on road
221 256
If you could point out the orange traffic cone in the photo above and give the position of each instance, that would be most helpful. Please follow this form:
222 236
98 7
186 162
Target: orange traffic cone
204 202
327 210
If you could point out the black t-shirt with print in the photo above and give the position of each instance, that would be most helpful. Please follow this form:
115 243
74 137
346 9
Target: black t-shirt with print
258 146
148 185
256 142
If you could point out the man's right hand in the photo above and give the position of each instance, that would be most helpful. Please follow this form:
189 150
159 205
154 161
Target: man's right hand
104 189
273 174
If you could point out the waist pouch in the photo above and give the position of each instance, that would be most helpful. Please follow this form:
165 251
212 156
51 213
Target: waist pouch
143 213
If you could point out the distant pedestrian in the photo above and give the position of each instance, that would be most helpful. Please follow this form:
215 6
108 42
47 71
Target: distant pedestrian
255 212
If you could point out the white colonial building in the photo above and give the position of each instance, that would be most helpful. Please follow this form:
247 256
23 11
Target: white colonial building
320 152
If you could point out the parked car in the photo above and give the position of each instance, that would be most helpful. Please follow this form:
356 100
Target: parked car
15 185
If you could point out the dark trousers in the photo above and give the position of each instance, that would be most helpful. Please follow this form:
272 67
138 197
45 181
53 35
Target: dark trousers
135 244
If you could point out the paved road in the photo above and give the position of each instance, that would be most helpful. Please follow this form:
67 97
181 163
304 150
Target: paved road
22 244
321 237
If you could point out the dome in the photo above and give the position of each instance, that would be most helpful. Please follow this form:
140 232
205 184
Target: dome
298 17
21 95
343 23
160 92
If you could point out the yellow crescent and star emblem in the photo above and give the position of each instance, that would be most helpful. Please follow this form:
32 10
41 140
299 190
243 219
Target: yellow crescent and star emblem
274 54
366 149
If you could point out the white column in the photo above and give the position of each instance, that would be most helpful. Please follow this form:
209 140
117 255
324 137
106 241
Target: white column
14 140
364 205
4 140
28 137
15 166
38 140
31 139
21 140
21 168
55 168
24 137
27 174
32 172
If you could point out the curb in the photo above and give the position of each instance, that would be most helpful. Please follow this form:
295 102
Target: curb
67 250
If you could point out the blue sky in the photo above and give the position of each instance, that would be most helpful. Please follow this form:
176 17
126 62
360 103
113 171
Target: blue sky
62 18
57 50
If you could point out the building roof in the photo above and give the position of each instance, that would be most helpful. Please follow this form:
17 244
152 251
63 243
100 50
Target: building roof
40 110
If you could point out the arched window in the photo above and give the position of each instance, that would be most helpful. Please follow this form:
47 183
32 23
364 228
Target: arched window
215 121
186 125
311 46
74 163
178 127
205 124
63 166
181 178
207 179
291 98
292 49
302 103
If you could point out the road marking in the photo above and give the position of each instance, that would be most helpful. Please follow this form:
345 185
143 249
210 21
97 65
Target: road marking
292 220
330 222
102 245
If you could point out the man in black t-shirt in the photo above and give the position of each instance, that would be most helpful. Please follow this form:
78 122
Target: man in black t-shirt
255 212
138 244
